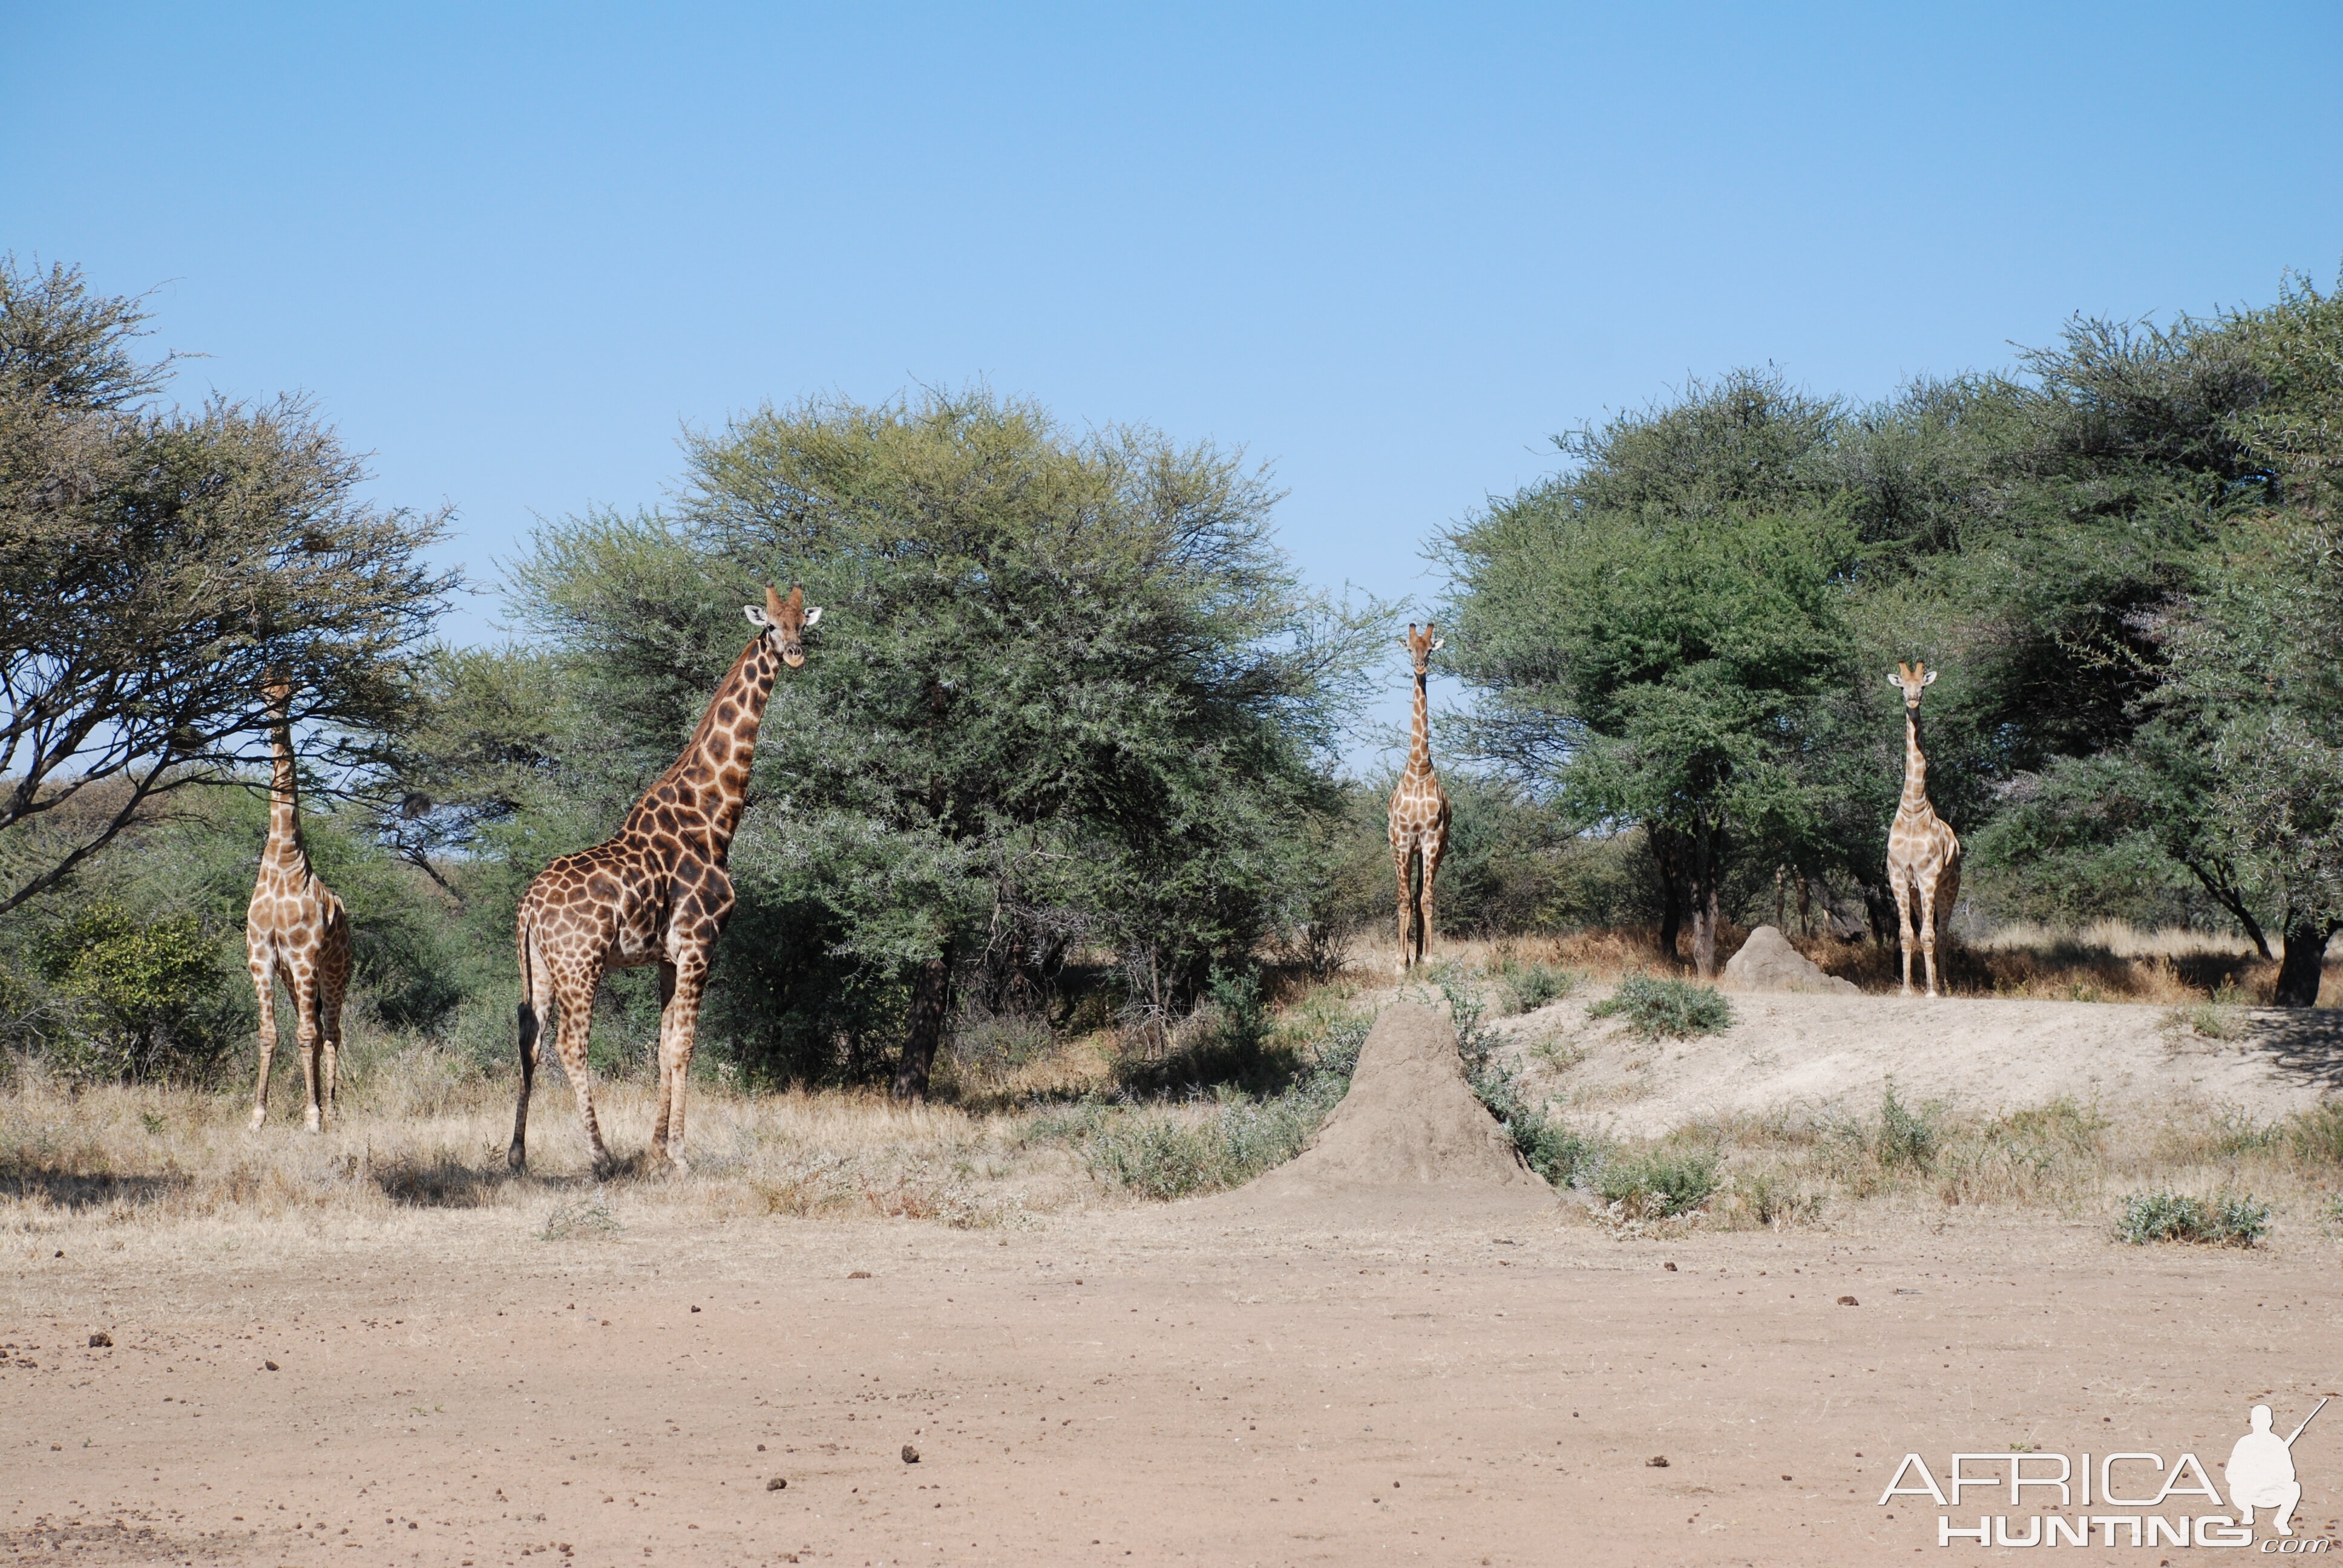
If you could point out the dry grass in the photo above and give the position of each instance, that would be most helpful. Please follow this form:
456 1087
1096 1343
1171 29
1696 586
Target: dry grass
425 1135
1898 1163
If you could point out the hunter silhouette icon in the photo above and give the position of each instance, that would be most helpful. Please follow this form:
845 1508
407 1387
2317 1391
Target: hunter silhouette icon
2260 1470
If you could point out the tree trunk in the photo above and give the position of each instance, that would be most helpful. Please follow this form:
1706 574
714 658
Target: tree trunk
1668 871
2225 894
1708 856
930 999
2306 956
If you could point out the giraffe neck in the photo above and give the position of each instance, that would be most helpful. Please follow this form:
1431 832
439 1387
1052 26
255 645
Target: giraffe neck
1419 745
284 847
1916 765
710 782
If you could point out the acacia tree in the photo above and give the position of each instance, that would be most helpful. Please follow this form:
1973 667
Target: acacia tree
1065 689
1649 634
156 565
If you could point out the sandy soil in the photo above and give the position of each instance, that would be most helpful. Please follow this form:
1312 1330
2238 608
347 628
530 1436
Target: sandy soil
1791 1052
1378 1357
1194 1383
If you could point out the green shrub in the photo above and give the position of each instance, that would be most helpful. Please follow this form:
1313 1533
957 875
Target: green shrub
143 995
1658 1182
1165 1151
2223 1220
1906 1137
1666 1009
1533 985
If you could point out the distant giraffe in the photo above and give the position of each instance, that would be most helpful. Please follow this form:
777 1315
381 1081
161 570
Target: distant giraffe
1924 856
656 893
1419 811
295 927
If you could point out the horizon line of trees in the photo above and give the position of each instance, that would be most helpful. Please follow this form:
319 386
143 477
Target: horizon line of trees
1071 699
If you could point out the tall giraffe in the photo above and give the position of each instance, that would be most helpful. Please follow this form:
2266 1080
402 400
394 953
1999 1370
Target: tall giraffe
1924 856
656 893
1419 811
294 927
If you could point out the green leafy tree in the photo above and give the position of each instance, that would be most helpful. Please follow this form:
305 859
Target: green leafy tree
1065 691
1650 634
155 566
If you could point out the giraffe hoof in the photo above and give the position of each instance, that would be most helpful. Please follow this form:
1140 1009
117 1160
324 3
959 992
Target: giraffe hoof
253 1123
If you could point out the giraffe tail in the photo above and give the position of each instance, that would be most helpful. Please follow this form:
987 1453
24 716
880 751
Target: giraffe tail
532 990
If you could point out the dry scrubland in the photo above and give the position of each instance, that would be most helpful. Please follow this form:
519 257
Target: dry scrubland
1809 1112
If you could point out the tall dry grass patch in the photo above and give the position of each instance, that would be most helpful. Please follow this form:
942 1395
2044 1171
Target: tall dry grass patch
429 1134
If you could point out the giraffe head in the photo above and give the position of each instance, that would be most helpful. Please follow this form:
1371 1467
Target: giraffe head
1420 645
1911 679
786 621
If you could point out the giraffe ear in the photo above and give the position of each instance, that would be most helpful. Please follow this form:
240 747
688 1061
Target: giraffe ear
1929 679
1896 681
813 614
756 614
1438 643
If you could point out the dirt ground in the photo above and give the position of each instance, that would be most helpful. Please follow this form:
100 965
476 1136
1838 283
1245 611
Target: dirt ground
1194 1383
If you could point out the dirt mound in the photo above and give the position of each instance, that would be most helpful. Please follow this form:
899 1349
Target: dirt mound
1410 1127
1768 962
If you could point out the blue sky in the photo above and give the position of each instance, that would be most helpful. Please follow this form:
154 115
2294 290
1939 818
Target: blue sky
512 250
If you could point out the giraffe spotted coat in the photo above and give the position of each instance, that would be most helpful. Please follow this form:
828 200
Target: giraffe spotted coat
1924 855
656 893
1419 814
294 930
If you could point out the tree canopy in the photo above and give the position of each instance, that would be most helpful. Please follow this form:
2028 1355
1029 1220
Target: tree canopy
157 565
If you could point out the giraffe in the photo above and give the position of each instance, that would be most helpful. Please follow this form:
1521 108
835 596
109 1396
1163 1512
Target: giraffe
1419 811
656 893
1924 856
295 927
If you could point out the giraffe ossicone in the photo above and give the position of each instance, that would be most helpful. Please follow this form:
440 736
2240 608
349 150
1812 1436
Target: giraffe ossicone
1923 854
656 892
297 929
1419 816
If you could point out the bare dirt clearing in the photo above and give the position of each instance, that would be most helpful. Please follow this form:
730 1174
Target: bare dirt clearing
1158 1387
1414 1355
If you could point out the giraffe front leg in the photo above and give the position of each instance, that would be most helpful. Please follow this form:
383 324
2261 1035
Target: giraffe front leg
667 1002
679 1032
264 986
1901 884
1434 847
1927 932
1402 854
307 1039
334 986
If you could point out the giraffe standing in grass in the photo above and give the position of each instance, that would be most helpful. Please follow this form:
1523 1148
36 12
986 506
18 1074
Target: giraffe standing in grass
1419 812
294 928
1924 856
658 893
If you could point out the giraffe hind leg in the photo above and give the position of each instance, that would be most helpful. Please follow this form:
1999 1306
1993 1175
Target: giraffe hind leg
573 1026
